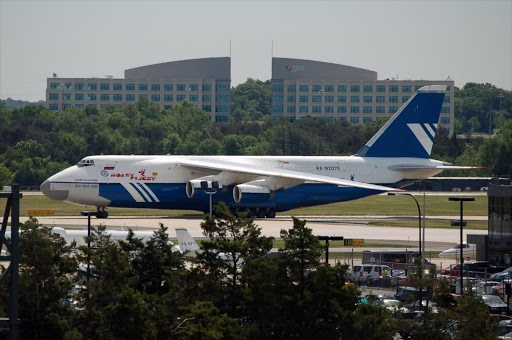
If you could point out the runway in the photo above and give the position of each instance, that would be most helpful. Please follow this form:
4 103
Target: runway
351 227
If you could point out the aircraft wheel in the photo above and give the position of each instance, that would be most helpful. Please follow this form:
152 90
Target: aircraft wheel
261 213
102 214
271 213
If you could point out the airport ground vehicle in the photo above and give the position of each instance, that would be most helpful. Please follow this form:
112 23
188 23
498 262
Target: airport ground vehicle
398 154
395 259
364 273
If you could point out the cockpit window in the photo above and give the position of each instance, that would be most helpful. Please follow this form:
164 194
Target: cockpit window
85 162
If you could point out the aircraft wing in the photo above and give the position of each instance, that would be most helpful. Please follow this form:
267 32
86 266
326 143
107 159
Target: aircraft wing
432 167
238 168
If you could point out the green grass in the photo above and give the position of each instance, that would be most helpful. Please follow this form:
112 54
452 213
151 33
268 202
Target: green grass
373 205
395 205
481 225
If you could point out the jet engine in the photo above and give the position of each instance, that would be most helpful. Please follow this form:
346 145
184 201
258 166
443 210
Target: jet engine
250 193
202 185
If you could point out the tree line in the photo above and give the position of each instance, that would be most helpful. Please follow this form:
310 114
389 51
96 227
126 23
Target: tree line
146 290
35 142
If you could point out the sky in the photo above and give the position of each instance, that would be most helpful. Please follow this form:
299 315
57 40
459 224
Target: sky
468 41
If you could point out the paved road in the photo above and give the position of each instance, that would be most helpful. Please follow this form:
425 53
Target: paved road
270 227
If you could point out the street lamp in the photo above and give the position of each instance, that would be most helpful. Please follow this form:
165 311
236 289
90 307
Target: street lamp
419 214
500 96
210 193
89 214
461 268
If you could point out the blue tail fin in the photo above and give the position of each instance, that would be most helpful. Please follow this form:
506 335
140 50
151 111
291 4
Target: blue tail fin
409 132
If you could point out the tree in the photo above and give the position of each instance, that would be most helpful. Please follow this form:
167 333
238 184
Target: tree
251 100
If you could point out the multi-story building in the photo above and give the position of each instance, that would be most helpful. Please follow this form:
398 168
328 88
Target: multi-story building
203 82
302 88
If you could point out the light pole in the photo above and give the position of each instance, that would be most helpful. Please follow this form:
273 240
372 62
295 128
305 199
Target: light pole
419 215
89 214
210 193
461 268
490 112
500 96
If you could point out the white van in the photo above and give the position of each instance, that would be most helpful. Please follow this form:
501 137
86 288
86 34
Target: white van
364 272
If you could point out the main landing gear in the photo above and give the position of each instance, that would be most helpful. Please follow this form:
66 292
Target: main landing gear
257 212
102 213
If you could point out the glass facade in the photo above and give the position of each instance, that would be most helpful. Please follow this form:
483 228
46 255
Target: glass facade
500 225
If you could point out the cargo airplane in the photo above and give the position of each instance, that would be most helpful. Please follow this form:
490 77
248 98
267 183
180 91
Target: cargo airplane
398 154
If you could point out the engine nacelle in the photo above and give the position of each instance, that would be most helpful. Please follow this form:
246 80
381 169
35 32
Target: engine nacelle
251 193
202 185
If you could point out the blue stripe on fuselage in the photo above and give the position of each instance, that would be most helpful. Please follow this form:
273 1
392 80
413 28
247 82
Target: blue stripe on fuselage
173 196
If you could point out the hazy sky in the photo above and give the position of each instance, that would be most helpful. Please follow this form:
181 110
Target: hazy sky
466 40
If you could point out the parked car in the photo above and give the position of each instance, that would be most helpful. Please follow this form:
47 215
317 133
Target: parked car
503 275
404 294
495 304
484 287
390 304
473 269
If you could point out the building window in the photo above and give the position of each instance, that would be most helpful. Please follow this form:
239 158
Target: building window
167 106
393 99
143 87
155 87
206 98
392 109
405 98
54 107
446 99
118 87
167 87
380 109
67 86
79 96
381 99
66 96
367 119
367 88
221 119
92 96
354 88
104 87
367 109
275 99
79 105
180 97
303 109
329 119
329 109
223 98
329 88
417 87
92 105
342 99
303 99
290 99
142 96
79 86
221 108
290 109
277 109
193 98
130 97
445 120
207 108
155 97
329 99
194 87
317 109
354 120
445 109
354 109
117 97
221 88
54 86
380 88
53 96
291 119
317 88
304 88
406 88
342 88
354 99
181 87
342 119
448 88
291 88
92 86
104 97
206 88
342 109
130 87
367 99
167 97
277 88
393 88
316 99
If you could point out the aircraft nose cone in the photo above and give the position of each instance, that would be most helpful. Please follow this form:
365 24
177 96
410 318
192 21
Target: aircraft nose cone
60 194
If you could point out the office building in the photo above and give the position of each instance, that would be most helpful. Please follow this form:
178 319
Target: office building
302 88
204 82
499 248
